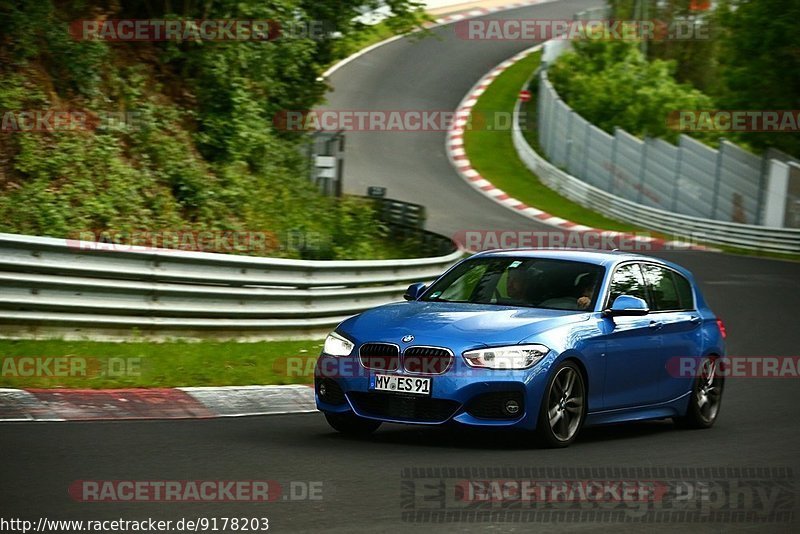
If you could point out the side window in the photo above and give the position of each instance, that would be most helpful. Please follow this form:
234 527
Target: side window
662 288
627 280
685 292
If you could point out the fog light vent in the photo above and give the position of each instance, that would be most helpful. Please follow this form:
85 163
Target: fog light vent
329 391
511 407
497 405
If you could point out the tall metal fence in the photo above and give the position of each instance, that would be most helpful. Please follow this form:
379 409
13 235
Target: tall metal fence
584 165
691 178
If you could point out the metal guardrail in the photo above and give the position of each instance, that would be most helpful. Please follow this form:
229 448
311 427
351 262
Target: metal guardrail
57 287
395 212
696 229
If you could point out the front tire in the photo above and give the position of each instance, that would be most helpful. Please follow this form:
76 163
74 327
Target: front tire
706 398
352 425
563 407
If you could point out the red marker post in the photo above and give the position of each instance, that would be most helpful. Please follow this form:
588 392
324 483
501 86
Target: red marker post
699 5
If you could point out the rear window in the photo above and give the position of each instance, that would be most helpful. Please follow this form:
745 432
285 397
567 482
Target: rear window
685 292
669 290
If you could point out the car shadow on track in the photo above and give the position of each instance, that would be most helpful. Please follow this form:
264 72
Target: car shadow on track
499 439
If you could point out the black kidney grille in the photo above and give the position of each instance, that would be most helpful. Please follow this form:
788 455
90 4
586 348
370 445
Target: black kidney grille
380 356
403 408
427 360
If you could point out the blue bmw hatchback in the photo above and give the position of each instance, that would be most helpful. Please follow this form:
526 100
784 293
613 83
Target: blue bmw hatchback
543 340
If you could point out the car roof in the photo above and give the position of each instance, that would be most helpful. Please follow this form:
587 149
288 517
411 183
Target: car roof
598 257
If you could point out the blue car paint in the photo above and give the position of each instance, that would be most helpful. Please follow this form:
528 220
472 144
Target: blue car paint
624 359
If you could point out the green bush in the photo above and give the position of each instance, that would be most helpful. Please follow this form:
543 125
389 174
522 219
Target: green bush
201 153
611 84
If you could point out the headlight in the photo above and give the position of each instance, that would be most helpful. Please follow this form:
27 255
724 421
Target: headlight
513 357
336 345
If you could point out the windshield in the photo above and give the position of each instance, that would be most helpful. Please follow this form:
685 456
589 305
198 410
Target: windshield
528 282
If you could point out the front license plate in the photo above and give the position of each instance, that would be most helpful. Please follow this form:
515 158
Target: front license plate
402 384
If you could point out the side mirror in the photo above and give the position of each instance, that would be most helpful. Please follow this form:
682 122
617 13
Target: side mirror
414 291
626 305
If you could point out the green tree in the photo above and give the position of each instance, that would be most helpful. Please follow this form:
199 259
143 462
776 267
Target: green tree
760 62
685 31
611 84
204 153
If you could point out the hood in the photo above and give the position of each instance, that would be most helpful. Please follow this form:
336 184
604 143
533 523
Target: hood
454 323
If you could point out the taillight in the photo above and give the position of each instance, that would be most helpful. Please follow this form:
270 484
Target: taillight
722 331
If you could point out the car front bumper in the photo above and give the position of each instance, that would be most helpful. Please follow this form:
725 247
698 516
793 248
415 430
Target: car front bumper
464 395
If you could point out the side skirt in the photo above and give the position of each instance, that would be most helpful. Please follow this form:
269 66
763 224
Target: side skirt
672 408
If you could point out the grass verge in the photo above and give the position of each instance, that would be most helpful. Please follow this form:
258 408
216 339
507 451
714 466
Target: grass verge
97 365
492 154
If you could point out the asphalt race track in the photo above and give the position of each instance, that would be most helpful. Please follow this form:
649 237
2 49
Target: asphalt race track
431 74
362 486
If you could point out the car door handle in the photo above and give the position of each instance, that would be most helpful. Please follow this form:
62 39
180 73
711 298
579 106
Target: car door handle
696 320
656 325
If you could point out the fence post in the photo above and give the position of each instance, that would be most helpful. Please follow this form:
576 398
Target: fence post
642 171
612 169
541 120
762 189
717 179
550 122
568 152
777 188
676 186
587 145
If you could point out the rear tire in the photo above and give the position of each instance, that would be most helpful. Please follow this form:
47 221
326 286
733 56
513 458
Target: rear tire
706 397
563 407
352 425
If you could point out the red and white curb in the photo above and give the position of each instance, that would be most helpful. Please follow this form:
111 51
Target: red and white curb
460 161
441 21
154 403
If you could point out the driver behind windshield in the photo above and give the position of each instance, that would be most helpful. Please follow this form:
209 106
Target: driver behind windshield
578 291
586 288
517 284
